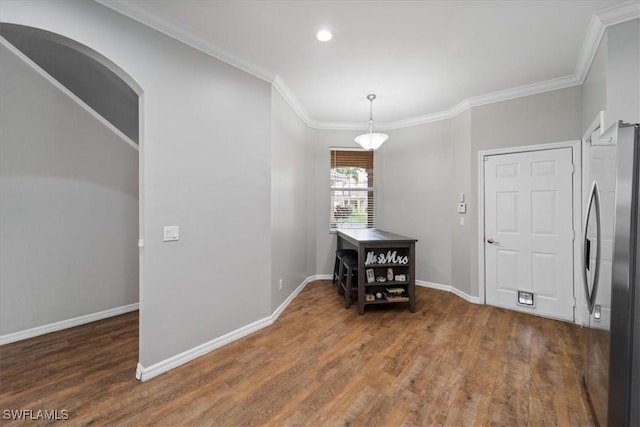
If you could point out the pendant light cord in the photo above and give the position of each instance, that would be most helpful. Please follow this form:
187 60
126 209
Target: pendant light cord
371 98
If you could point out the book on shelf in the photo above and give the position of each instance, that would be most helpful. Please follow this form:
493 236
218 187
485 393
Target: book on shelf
396 294
396 298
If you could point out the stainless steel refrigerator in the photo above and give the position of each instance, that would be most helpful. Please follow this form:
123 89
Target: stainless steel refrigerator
611 277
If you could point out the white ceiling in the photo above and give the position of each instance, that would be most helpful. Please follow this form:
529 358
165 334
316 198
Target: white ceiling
424 59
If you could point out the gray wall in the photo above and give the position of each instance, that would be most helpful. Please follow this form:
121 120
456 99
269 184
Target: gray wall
68 202
594 88
289 219
416 192
623 71
612 83
461 182
206 167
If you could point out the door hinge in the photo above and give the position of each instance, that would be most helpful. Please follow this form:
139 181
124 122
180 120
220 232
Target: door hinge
574 302
573 168
140 243
573 235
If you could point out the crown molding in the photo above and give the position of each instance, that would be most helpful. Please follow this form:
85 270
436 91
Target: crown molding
597 26
464 105
619 13
133 11
590 44
285 92
525 90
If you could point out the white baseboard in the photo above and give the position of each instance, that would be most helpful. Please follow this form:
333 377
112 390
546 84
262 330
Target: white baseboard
156 369
144 374
449 288
64 324
295 293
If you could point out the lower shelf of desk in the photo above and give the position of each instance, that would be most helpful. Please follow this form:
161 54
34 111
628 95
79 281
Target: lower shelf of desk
387 296
385 301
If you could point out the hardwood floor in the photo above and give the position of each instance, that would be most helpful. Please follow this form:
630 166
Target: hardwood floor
450 362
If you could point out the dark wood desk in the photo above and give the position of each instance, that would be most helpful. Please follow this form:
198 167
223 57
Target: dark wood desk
398 254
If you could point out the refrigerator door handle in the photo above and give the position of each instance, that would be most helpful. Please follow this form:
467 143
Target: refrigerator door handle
587 255
594 200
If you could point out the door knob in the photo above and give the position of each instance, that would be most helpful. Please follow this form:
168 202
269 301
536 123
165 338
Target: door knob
492 241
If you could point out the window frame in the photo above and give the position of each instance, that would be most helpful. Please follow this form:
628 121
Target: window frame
371 188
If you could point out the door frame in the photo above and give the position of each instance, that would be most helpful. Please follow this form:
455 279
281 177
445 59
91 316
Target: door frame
576 190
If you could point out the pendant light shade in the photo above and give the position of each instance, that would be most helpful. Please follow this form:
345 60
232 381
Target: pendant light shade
371 140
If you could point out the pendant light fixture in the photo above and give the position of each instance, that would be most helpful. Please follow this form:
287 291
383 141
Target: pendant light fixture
371 140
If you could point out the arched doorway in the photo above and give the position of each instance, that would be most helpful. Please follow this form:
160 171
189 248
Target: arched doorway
70 185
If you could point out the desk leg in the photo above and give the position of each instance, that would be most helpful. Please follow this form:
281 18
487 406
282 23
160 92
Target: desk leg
361 274
412 277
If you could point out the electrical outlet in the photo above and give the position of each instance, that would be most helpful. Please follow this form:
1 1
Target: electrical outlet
280 284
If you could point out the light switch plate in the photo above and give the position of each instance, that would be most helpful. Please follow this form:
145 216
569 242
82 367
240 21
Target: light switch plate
171 233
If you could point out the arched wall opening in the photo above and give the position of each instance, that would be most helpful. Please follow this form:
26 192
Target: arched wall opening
96 80
70 201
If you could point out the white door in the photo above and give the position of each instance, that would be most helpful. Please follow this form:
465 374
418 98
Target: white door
529 232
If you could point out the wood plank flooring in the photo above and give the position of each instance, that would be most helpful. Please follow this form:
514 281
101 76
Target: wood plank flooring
449 363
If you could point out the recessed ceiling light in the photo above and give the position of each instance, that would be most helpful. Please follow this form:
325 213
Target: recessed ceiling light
324 35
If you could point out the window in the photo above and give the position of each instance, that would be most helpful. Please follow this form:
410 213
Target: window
352 201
